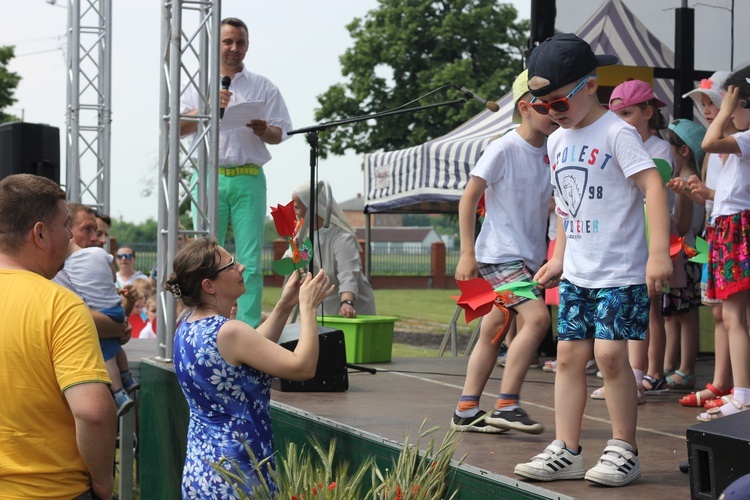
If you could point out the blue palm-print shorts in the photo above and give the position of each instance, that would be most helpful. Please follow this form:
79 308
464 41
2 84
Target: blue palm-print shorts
619 313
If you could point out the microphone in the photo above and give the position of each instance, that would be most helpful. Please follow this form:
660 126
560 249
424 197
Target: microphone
492 106
225 81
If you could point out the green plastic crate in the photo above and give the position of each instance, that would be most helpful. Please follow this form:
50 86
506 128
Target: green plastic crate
368 339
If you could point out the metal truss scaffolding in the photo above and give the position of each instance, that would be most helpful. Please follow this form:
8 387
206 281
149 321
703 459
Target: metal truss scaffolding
190 58
89 112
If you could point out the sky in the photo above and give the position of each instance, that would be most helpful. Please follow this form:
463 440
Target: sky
296 44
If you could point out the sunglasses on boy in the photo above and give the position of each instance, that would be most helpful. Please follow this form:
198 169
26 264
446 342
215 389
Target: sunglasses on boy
559 105
126 256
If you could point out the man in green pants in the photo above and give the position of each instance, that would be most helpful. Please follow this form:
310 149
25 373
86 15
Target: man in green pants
242 154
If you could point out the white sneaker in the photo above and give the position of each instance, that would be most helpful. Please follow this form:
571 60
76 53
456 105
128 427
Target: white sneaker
616 467
554 463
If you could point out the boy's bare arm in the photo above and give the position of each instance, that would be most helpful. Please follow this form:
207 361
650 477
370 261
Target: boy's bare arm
467 265
550 273
659 266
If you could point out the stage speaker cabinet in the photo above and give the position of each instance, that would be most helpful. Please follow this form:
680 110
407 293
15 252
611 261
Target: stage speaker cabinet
718 454
30 148
330 375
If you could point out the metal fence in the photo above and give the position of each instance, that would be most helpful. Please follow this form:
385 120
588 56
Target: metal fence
386 260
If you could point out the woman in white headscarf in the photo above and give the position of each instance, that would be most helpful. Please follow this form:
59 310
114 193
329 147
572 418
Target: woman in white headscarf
337 247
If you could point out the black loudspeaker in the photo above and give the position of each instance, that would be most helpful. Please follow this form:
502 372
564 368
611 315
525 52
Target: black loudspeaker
543 14
331 374
30 148
718 453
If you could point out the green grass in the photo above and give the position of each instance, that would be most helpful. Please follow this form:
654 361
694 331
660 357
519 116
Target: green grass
425 310
410 351
433 310
429 306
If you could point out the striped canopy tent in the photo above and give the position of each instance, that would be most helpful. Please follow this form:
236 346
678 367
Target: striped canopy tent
430 178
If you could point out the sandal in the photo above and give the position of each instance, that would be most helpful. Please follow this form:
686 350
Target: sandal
716 413
655 385
717 402
694 400
688 381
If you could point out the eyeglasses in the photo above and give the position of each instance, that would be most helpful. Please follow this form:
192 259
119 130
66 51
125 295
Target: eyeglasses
222 268
559 105
126 256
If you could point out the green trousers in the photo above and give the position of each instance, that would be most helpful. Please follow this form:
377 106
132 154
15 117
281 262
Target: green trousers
242 201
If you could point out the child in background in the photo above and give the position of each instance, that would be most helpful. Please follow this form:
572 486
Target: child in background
510 247
708 96
680 307
602 173
138 318
729 258
149 331
634 101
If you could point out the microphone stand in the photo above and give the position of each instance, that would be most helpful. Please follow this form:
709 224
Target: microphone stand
312 135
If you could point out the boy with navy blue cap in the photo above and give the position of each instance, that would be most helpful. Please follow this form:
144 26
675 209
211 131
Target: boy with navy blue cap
601 174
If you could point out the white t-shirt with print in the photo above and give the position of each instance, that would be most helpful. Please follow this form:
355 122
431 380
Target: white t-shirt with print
516 201
601 206
733 184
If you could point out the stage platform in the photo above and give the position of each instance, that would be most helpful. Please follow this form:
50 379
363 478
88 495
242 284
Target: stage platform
394 402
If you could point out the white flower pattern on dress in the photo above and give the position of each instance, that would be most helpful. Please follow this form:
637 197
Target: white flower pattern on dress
229 407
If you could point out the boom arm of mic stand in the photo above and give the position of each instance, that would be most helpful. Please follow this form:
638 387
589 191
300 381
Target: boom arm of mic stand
312 138
323 126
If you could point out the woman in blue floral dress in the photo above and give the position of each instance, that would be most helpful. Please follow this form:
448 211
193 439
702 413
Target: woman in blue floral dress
225 367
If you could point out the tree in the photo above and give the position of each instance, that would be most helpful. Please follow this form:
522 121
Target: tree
404 49
8 83
128 233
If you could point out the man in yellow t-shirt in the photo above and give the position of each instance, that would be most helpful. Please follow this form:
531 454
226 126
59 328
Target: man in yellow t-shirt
57 417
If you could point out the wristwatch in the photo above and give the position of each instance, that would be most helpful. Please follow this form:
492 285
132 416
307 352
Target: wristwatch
350 302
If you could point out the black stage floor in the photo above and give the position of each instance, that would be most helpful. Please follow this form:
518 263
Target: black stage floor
394 403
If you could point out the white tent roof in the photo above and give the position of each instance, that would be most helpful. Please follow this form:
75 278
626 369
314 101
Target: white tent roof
431 177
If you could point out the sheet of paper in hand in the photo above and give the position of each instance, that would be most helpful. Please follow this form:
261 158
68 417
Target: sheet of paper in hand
241 114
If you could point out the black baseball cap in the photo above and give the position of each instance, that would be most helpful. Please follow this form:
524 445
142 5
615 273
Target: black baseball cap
564 59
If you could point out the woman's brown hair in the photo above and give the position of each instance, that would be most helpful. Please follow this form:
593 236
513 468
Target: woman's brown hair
195 262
